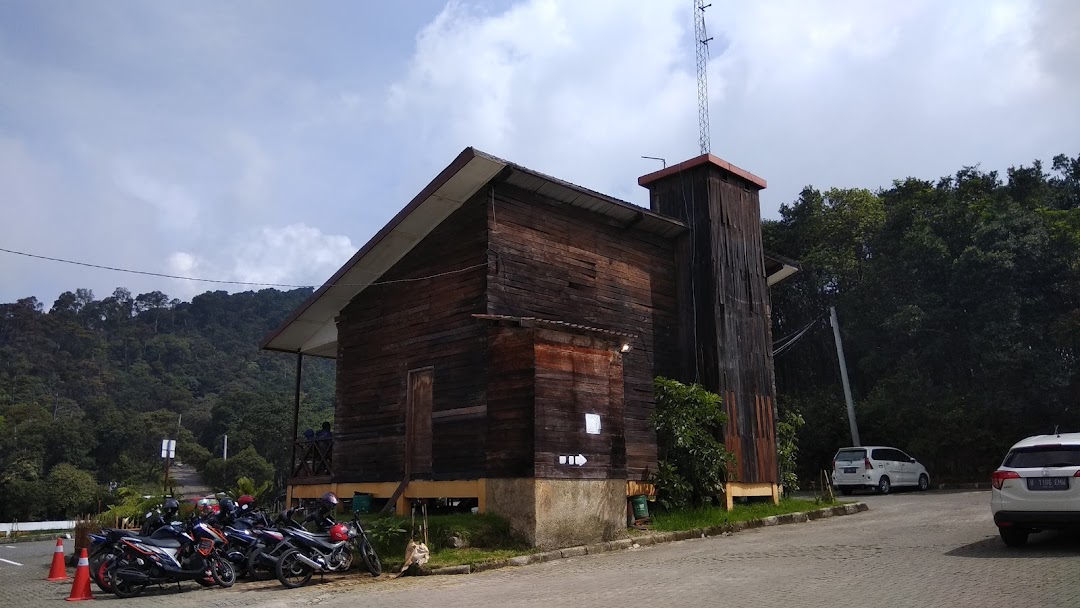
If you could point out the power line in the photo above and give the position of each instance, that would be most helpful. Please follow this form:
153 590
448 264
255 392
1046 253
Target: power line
224 282
783 348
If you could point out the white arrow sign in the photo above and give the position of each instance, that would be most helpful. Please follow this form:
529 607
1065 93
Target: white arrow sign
574 459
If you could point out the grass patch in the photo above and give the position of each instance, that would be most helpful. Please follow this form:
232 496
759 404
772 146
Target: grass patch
488 538
472 555
704 517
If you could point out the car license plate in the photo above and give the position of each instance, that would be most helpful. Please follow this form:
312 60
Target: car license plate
849 469
1048 483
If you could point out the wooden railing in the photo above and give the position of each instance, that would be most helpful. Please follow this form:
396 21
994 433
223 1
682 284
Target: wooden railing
313 458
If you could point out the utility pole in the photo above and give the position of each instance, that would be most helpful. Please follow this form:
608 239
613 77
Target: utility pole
844 378
225 450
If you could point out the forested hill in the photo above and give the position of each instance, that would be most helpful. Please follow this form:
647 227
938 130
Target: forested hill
959 302
97 383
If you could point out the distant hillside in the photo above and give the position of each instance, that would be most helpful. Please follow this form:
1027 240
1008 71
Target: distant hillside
97 384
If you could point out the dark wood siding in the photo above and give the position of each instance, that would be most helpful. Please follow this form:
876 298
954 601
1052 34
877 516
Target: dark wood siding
559 262
510 399
726 307
390 329
418 419
575 376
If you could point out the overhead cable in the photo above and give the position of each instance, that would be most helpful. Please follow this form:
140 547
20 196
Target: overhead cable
248 283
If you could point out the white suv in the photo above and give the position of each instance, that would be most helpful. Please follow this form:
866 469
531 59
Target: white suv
1037 487
877 467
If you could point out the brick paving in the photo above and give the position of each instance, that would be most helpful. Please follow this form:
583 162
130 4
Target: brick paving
912 549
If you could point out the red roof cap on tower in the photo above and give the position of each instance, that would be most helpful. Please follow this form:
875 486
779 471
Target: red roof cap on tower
759 182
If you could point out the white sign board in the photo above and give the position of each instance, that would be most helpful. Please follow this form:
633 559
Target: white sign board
168 448
592 424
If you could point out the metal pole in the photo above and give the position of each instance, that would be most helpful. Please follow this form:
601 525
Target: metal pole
296 409
844 378
165 486
225 452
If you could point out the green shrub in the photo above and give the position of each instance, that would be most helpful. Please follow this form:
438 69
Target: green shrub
693 462
787 448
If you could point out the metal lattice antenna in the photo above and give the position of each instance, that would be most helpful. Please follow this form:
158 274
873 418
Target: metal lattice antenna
702 79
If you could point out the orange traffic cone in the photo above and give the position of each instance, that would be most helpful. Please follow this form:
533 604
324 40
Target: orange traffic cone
58 572
80 587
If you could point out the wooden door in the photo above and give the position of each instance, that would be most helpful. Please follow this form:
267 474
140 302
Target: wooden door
418 422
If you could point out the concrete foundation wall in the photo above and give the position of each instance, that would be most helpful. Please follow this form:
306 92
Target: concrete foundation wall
552 513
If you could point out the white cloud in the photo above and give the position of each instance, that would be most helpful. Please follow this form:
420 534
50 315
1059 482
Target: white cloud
171 205
242 136
296 254
830 93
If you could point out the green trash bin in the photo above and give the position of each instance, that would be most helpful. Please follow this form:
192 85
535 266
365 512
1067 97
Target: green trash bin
361 503
641 506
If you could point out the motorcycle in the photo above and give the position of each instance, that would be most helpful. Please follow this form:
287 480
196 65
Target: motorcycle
272 543
244 533
105 545
309 553
196 555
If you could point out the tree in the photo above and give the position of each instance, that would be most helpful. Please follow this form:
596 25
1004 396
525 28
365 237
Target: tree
960 302
71 492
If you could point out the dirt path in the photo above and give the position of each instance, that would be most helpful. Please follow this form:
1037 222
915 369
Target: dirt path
188 481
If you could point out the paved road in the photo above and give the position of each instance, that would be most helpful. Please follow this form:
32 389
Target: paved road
912 549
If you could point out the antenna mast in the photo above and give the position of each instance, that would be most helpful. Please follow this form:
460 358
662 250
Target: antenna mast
702 79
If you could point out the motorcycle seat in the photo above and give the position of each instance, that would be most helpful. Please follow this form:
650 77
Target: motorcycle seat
164 543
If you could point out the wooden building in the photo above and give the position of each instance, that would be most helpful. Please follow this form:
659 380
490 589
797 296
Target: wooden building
498 338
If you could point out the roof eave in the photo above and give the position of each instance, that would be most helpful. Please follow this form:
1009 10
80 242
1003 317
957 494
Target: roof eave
452 169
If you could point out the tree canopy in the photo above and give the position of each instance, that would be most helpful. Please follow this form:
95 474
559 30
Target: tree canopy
959 302
89 388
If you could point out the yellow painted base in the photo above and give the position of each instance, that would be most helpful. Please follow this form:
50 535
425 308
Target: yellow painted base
465 488
740 488
468 488
640 488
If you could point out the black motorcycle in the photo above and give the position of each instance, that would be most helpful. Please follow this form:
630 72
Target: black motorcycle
308 553
271 543
245 533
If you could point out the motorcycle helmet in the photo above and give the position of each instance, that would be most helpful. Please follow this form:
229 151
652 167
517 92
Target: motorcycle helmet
328 502
226 505
170 507
247 500
204 505
338 533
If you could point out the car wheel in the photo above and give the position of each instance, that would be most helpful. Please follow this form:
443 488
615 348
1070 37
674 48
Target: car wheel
924 483
846 491
884 485
1014 537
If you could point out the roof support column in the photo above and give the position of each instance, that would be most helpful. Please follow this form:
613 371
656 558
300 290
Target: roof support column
296 410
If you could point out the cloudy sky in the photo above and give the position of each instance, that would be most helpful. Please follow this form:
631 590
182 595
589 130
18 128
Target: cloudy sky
266 140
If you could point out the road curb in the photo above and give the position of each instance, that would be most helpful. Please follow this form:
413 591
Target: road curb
654 538
981 485
31 538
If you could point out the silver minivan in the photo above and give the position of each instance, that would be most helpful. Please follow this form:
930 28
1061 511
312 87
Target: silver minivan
877 467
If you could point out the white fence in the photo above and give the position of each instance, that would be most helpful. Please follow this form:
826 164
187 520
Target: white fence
35 526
